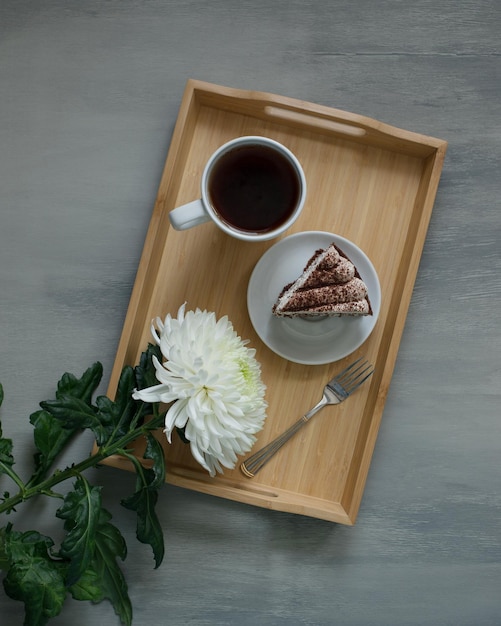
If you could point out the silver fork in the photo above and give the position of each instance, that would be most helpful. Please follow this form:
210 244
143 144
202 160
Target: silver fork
335 391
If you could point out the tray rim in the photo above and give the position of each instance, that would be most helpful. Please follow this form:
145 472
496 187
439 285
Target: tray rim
325 120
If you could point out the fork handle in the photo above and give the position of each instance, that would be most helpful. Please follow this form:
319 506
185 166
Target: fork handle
251 466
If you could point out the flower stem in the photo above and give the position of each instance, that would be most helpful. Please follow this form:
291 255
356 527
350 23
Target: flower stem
8 471
59 476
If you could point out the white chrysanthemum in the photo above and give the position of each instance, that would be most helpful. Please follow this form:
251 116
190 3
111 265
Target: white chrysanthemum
214 383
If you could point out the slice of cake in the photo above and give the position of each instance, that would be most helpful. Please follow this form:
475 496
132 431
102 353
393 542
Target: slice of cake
329 285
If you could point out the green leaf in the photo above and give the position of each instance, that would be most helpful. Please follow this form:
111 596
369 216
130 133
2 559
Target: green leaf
73 404
74 414
6 467
50 437
144 499
108 420
145 370
110 545
6 457
88 587
52 434
118 414
4 559
154 451
148 528
80 512
33 577
83 387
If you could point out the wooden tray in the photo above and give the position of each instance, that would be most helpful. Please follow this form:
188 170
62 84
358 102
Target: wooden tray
367 181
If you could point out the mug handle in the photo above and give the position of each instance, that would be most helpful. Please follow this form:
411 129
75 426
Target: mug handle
188 215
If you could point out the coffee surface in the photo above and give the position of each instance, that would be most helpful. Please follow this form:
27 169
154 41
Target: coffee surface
254 188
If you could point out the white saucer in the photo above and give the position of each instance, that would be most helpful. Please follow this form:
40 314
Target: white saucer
308 342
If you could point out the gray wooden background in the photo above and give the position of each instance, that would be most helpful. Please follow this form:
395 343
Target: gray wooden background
89 94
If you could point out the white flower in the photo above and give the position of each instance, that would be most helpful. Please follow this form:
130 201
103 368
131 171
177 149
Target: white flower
214 383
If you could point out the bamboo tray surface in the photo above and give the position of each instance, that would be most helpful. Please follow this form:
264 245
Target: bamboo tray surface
369 182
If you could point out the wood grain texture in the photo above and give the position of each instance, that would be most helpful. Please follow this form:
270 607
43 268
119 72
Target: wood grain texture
90 96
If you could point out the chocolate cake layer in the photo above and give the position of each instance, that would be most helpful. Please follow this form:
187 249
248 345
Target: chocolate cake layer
329 285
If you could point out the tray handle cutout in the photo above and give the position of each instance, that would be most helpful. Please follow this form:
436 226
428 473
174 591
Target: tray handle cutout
323 123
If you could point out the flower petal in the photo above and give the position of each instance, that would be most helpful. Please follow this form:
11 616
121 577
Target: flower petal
176 416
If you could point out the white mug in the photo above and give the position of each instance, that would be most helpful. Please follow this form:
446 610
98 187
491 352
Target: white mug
253 188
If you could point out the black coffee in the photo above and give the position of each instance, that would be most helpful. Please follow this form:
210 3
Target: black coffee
254 188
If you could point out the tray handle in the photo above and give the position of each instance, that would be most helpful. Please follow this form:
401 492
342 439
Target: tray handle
312 119
351 126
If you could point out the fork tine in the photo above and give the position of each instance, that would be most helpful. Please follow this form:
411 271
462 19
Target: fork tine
358 376
360 381
354 375
348 369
